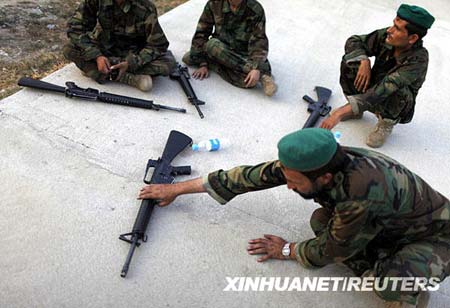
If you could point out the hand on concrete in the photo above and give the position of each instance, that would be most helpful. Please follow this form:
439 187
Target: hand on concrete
330 122
122 67
103 65
270 246
362 79
252 78
201 73
164 193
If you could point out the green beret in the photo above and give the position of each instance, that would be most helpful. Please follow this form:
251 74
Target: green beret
415 15
307 149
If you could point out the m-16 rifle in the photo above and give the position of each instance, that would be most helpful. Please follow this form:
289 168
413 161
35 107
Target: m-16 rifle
72 90
163 173
181 73
317 108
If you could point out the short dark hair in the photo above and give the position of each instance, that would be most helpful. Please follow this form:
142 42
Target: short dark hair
415 29
339 161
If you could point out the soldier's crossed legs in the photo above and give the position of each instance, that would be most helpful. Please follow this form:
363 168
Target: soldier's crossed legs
227 63
163 65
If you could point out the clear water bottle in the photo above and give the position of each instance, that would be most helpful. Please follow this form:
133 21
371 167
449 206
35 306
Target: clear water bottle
210 145
337 136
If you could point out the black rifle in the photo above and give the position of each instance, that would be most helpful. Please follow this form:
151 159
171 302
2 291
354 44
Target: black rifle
317 108
181 73
72 90
163 173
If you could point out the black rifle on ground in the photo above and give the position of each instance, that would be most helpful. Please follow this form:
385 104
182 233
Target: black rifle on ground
317 108
163 173
72 90
181 73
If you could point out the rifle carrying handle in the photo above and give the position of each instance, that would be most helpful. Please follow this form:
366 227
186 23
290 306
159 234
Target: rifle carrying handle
38 84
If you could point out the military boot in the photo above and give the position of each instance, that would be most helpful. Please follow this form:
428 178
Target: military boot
381 131
142 82
422 302
268 85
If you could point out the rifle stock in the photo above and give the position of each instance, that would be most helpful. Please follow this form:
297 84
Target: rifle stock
317 108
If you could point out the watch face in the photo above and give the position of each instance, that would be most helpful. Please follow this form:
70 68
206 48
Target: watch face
286 250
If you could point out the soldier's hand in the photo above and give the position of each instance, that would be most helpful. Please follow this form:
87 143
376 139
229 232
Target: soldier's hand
201 73
164 193
103 65
362 79
270 247
122 67
252 78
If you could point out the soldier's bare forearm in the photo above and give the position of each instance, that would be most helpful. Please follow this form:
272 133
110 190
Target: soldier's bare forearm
189 187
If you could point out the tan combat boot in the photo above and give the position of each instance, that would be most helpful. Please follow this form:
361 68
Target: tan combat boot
422 302
379 134
142 82
268 85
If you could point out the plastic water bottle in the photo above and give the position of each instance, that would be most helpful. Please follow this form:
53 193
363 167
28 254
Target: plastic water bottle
337 136
210 145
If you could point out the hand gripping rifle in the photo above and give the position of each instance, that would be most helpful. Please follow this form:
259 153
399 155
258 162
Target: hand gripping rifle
163 173
181 73
317 108
72 90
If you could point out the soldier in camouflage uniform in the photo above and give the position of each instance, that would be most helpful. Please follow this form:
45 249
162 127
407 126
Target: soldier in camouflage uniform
376 216
237 48
122 35
390 87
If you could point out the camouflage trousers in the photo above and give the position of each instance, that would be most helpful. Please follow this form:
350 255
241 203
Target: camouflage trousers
398 107
163 65
427 258
229 64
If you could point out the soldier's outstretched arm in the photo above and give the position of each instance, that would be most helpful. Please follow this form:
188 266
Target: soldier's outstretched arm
220 185
167 193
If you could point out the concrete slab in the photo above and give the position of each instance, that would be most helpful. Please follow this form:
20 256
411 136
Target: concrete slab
70 171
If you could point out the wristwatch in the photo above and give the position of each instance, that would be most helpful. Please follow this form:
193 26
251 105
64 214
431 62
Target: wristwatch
286 251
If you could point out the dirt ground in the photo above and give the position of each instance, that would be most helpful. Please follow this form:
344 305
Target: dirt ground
32 34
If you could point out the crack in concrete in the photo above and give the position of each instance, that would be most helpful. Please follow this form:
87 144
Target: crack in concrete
264 220
56 144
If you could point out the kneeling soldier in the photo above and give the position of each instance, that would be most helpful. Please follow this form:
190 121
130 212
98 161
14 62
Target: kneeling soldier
238 48
122 36
377 217
390 87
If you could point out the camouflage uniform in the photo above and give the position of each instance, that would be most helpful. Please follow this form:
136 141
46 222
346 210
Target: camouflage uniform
238 44
130 32
377 215
394 82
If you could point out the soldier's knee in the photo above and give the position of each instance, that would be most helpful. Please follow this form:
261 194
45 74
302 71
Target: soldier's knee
319 220
213 47
187 59
70 53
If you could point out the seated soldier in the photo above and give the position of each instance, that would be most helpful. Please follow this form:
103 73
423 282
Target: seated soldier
237 49
120 40
390 87
376 216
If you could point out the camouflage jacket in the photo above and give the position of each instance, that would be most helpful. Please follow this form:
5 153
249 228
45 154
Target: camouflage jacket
374 199
243 31
131 30
389 73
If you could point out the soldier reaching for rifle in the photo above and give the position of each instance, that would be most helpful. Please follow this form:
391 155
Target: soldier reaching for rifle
237 49
377 217
121 36
390 87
